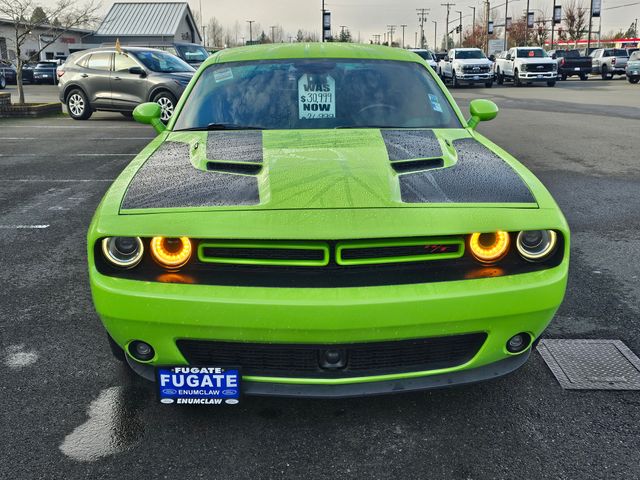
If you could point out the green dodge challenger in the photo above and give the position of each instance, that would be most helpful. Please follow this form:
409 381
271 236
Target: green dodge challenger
321 220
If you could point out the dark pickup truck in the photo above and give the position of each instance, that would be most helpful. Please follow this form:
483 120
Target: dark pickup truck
570 63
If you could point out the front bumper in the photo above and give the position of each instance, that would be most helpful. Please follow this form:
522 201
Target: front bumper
160 314
474 77
537 77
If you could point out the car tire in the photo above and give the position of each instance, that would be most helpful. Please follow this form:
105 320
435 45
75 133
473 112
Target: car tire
551 83
77 105
167 104
633 79
118 353
454 80
516 78
563 77
584 76
3 83
499 78
488 84
604 74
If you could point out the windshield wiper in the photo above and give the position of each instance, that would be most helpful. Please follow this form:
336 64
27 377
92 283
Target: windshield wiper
220 126
395 127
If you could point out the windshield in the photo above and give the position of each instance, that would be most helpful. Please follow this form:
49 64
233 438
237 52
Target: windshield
424 54
193 53
617 52
531 53
301 94
161 62
568 53
469 54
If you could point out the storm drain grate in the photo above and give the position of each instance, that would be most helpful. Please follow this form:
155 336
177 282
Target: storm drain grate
592 364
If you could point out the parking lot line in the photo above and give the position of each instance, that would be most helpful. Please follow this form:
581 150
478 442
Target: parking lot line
20 227
92 139
9 155
61 180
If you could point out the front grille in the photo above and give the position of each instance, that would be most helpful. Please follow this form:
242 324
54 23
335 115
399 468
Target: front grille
292 254
307 254
539 67
362 359
434 250
476 69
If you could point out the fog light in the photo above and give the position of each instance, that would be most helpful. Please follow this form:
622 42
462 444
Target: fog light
141 350
124 252
333 359
518 343
171 253
489 247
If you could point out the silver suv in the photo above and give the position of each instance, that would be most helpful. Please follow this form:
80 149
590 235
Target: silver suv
118 81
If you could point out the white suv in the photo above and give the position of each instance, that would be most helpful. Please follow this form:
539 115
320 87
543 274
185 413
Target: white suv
526 65
466 65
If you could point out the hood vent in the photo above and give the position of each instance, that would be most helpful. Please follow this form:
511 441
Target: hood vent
238 168
417 165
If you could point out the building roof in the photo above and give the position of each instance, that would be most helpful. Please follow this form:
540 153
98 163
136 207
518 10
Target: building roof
127 19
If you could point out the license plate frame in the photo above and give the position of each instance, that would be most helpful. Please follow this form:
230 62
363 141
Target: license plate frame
198 385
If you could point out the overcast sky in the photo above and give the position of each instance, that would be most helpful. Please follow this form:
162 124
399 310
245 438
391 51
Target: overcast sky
367 18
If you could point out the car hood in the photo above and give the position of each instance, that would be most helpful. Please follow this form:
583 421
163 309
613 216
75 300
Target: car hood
322 169
473 61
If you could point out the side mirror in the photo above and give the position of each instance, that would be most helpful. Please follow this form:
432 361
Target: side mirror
508 57
492 58
149 113
481 111
138 71
554 56
446 58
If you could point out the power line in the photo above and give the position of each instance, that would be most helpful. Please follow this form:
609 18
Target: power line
448 5
422 16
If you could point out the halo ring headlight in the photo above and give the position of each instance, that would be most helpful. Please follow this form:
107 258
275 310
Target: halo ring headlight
489 247
123 252
536 245
171 253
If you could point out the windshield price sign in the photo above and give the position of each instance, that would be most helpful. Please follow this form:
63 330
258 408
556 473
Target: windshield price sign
316 97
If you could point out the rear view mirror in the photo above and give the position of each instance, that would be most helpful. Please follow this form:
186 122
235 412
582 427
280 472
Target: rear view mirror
138 71
492 58
149 113
446 58
554 56
481 111
508 57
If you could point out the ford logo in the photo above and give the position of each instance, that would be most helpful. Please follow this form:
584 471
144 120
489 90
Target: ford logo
169 391
229 392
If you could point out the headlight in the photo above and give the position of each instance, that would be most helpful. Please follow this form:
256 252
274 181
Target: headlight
536 245
124 252
523 67
489 247
171 253
555 67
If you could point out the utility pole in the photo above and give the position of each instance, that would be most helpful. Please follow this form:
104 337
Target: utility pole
273 34
322 24
526 26
435 35
392 28
473 27
590 23
448 5
422 16
201 21
404 25
251 22
415 43
553 23
506 15
460 33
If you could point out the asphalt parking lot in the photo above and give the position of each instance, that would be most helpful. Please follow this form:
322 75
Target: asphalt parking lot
69 410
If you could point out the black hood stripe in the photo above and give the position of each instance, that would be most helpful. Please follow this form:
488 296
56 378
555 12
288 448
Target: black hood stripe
232 146
411 144
479 176
169 180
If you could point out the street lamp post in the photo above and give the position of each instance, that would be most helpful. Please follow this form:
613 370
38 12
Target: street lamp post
435 35
473 26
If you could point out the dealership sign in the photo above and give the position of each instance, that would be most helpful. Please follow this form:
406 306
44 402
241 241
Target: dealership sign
596 7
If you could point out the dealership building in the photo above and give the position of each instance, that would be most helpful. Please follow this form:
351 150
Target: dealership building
133 23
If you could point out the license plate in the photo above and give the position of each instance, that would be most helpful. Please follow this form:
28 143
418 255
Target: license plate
577 69
45 76
188 385
540 76
476 77
635 72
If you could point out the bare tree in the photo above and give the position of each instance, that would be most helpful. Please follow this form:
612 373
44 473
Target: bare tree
539 33
215 33
30 21
576 19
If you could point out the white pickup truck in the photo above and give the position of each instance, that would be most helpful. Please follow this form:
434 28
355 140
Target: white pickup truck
525 65
466 65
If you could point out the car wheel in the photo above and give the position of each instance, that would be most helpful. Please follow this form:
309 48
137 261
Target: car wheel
604 74
454 80
489 84
3 83
516 78
78 105
563 76
551 83
499 78
584 76
167 104
633 79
